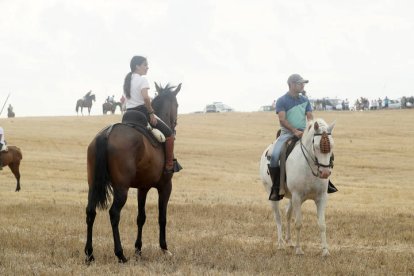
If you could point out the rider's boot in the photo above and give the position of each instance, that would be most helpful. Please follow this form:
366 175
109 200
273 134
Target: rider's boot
275 176
169 154
331 187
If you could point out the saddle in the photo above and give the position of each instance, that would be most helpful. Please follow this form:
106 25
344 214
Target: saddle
138 121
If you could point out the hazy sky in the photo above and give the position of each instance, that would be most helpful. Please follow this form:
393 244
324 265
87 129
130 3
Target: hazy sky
235 51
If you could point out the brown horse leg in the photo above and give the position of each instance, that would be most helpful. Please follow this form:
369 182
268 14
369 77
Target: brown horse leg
164 192
14 167
120 197
142 197
90 218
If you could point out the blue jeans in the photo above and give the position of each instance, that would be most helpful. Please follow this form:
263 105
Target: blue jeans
277 148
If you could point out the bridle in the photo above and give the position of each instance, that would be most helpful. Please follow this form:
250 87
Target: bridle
315 159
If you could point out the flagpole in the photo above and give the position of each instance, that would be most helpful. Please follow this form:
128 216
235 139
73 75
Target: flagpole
4 104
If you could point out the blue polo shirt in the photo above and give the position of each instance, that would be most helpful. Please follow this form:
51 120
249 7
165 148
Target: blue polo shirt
295 108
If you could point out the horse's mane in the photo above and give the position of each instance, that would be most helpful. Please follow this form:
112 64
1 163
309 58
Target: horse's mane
164 93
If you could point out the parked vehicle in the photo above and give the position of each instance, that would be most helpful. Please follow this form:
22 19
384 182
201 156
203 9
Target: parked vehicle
266 108
218 107
394 104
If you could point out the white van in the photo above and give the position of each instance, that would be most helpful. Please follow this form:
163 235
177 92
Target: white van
218 107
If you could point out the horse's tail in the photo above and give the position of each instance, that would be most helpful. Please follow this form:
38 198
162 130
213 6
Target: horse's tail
101 188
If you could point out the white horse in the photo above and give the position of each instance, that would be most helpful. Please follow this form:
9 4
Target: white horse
307 170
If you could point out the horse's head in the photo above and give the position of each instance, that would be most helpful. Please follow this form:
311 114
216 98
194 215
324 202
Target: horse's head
93 97
165 104
320 134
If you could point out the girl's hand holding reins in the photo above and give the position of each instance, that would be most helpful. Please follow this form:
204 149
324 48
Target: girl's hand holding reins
153 120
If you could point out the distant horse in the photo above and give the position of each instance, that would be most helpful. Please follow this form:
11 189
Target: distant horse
119 158
111 107
85 102
307 170
12 158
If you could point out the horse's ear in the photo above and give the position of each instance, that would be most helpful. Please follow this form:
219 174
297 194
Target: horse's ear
157 87
316 126
177 90
331 127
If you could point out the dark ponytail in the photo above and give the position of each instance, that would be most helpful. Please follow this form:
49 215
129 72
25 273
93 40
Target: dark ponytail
135 61
127 85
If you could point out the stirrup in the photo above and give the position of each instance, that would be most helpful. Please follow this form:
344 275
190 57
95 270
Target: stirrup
177 166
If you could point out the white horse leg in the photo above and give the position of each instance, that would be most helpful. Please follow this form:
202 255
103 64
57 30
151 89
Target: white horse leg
276 212
296 202
289 220
320 207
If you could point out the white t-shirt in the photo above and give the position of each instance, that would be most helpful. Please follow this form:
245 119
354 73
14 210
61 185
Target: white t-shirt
137 84
2 135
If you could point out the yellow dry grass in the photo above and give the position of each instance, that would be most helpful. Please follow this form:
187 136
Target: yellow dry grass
219 219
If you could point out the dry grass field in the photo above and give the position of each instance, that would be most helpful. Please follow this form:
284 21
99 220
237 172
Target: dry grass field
219 218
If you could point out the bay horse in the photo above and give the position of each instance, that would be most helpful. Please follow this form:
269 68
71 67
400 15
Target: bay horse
307 170
85 102
111 107
119 158
12 158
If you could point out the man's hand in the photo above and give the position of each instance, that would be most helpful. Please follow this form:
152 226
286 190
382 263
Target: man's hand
298 133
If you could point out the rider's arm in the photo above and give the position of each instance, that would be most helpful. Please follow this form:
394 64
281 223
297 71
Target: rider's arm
147 102
285 124
309 116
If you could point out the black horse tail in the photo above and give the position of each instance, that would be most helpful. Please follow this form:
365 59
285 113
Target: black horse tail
101 189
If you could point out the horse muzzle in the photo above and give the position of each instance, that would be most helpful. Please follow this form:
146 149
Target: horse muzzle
324 173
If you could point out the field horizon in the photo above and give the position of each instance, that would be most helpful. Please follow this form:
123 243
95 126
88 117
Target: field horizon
219 219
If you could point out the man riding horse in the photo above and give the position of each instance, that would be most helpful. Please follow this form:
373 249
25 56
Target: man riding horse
293 110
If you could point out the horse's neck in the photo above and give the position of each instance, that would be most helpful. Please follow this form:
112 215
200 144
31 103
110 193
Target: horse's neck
307 139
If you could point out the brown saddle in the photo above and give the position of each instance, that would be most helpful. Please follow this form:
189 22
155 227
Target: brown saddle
138 121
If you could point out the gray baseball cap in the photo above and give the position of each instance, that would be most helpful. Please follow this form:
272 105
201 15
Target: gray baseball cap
296 78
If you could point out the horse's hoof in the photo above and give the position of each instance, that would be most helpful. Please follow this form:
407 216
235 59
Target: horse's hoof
89 259
325 252
299 251
122 260
138 253
166 252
